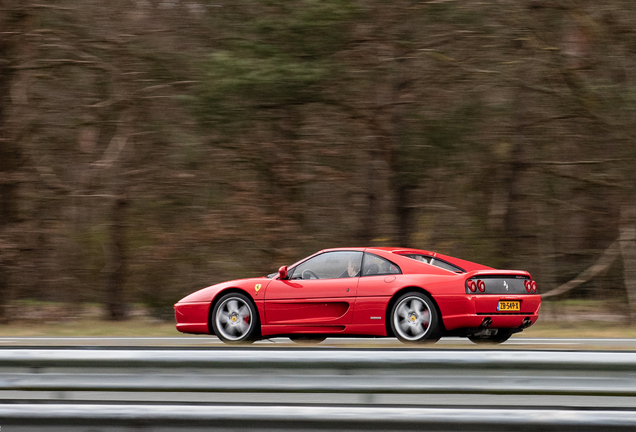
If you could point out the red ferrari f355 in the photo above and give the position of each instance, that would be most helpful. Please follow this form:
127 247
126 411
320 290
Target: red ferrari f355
411 294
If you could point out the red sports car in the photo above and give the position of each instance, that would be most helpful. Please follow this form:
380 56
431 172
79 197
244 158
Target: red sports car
411 294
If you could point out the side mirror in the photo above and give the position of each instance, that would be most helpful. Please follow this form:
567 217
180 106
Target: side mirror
282 273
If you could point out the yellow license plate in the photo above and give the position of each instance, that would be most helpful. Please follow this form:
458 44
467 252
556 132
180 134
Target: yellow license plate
505 306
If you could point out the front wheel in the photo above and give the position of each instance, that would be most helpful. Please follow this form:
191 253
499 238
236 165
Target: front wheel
235 319
414 318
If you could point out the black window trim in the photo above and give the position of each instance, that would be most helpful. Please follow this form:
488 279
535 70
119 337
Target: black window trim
447 263
434 258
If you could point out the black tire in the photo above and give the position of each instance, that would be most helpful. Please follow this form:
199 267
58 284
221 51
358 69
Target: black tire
498 338
414 319
307 340
235 319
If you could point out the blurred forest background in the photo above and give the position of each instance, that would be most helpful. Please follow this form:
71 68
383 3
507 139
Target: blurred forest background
149 148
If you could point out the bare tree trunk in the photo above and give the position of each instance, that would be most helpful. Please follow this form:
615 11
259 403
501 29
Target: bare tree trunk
627 241
402 184
517 165
112 163
404 213
369 220
117 260
116 251
9 151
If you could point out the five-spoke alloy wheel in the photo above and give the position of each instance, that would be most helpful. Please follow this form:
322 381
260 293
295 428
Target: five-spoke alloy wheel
235 319
414 318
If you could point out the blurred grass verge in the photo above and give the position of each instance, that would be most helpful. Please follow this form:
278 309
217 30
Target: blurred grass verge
40 318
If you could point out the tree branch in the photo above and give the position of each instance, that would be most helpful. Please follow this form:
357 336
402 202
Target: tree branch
595 182
601 265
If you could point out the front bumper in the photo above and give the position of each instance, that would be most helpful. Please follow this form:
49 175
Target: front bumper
192 317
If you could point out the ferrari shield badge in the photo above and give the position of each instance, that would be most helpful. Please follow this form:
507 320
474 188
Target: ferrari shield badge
257 287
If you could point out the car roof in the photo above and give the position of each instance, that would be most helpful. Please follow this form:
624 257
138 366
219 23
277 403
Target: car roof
395 250
465 265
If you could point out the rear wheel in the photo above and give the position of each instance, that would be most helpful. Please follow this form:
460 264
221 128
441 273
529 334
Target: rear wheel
414 319
500 337
235 319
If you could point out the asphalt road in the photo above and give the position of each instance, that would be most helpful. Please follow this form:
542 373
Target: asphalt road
524 343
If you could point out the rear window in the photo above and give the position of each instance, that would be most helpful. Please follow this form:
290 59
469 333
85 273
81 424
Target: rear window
435 262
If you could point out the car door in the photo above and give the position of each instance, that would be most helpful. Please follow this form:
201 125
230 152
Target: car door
319 291
377 284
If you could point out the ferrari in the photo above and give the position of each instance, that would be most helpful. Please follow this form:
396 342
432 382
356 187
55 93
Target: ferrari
414 295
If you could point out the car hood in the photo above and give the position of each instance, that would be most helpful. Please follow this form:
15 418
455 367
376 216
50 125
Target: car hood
208 293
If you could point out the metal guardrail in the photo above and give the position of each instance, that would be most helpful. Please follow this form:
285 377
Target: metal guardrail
318 389
324 358
248 418
318 371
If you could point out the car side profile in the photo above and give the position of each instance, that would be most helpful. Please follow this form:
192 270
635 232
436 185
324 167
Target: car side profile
411 294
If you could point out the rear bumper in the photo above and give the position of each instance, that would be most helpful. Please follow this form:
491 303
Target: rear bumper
469 311
192 317
497 321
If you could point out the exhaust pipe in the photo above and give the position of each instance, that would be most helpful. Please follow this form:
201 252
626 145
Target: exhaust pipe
487 322
526 322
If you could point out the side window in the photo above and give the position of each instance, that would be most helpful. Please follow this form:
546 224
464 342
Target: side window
374 265
329 265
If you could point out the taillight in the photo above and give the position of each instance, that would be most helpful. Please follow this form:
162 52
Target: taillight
472 286
534 286
528 285
481 285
